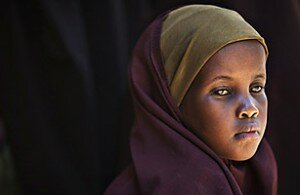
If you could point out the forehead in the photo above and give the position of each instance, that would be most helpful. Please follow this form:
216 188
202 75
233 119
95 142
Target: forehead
244 59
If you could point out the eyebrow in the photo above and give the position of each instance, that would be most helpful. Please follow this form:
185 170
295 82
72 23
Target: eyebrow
224 77
221 77
262 76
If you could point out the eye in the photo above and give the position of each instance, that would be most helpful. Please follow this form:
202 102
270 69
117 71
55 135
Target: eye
221 92
257 89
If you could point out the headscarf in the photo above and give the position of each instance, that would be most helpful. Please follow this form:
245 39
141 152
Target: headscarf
167 158
193 34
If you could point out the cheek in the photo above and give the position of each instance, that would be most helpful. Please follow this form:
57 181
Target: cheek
264 111
208 116
197 114
263 106
215 115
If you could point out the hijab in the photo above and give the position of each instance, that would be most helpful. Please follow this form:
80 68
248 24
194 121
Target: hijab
199 31
167 158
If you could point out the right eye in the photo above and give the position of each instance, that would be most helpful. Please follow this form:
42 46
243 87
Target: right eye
221 92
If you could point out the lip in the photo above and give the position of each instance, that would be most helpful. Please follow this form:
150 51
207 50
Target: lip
247 135
248 132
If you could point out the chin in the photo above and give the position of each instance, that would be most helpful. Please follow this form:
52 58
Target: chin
241 153
244 155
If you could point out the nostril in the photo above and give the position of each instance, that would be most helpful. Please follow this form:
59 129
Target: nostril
247 109
255 114
244 115
248 114
251 115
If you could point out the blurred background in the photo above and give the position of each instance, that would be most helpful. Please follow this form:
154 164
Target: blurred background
65 108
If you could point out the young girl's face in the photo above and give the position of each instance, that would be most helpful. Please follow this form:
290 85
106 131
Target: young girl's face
226 105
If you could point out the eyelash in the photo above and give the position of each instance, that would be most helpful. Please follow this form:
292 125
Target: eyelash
261 88
227 91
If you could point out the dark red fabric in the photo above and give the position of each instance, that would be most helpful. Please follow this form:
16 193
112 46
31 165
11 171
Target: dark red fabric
166 157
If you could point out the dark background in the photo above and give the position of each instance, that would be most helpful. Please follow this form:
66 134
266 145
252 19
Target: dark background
64 99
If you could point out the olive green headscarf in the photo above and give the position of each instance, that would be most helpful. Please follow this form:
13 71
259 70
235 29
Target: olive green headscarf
193 34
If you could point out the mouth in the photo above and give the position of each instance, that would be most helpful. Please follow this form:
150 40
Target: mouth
247 133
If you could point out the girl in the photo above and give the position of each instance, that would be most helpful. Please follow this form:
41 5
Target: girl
197 78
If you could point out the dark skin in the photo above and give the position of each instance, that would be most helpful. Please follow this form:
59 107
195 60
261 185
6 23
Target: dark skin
226 105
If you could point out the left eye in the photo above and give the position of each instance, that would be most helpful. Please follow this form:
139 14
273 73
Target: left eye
257 89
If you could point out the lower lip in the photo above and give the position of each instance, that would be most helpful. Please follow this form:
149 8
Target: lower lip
247 135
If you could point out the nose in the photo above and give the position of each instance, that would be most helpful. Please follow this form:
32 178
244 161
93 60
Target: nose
247 109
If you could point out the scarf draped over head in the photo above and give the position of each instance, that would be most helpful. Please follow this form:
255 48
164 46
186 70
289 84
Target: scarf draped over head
167 158
193 34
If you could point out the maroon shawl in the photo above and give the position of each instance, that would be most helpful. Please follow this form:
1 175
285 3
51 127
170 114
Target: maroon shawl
166 157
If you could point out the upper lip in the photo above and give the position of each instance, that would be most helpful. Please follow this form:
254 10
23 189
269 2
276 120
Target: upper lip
253 127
